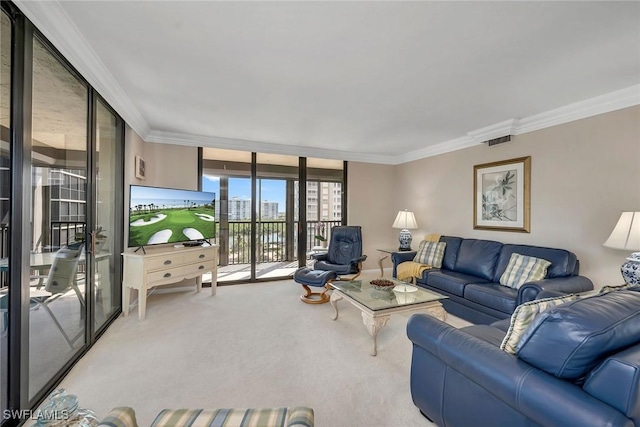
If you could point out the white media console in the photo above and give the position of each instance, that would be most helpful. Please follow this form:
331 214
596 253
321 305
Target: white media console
163 266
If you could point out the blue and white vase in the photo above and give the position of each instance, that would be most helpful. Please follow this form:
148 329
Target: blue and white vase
405 240
631 269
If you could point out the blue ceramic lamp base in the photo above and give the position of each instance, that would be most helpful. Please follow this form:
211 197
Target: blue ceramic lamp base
405 240
631 269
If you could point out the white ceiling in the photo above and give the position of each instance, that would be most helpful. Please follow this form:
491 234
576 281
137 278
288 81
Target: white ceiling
383 82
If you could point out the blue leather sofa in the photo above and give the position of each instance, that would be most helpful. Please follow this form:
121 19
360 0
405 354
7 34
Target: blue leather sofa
471 271
577 364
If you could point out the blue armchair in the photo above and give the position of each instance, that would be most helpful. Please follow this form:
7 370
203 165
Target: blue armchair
344 256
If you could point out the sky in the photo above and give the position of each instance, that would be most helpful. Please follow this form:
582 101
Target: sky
273 190
167 196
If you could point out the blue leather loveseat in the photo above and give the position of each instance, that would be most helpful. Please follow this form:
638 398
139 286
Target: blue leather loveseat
577 364
471 271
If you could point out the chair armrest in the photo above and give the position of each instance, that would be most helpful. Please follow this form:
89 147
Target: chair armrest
563 285
516 383
320 257
358 260
400 257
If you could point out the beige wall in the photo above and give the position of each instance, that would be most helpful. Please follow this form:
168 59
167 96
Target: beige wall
583 175
173 166
369 189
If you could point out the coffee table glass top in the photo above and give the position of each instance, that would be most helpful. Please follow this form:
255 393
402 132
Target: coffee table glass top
403 294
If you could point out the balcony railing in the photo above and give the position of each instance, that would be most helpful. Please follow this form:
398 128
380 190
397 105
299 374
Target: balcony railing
271 240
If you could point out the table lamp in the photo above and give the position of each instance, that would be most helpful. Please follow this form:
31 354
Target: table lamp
406 221
626 235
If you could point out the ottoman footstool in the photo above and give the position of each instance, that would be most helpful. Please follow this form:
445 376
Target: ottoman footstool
317 278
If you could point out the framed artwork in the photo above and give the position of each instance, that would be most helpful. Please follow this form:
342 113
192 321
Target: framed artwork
502 195
140 168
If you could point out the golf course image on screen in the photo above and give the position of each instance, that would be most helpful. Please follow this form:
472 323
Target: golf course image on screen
166 215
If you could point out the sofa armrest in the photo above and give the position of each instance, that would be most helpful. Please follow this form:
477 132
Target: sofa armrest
358 260
563 285
301 416
513 381
400 257
120 417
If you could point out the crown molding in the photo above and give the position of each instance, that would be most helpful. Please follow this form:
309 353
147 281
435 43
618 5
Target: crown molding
498 130
580 110
434 150
262 147
607 103
50 18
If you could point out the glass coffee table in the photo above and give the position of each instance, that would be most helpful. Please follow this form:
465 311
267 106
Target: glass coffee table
378 306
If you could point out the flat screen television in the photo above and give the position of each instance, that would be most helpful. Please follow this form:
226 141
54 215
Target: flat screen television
169 215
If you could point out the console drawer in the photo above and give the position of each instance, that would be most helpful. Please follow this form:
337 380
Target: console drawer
199 256
168 276
164 262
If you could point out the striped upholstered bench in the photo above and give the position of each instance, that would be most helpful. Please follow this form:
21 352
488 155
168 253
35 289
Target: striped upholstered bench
230 417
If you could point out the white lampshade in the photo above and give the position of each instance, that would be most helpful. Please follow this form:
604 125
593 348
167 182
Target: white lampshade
405 220
626 234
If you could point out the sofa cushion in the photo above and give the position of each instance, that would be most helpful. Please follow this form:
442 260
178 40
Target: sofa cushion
570 340
522 269
430 253
451 251
478 258
563 262
450 281
523 317
492 295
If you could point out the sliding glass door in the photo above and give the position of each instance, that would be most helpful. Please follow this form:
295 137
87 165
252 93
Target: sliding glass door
275 229
107 223
58 263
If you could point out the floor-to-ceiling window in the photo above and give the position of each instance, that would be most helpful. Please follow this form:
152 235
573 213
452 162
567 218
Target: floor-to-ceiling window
5 183
261 232
60 215
107 222
275 228
57 217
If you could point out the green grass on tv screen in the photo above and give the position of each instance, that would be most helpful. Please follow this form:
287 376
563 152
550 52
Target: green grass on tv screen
171 225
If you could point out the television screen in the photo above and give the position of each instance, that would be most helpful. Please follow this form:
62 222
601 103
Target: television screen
168 215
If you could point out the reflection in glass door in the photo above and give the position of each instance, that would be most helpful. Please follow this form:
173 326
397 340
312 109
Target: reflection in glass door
106 225
58 281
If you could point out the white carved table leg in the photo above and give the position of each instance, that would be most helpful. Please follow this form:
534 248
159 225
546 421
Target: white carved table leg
334 303
437 312
373 326
380 264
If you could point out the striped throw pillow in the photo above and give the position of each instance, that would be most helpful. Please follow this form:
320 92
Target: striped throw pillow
609 288
430 253
523 316
522 269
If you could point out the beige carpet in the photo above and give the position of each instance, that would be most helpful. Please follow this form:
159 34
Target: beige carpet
254 345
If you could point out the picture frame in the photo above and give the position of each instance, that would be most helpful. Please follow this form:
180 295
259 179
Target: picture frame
502 195
140 166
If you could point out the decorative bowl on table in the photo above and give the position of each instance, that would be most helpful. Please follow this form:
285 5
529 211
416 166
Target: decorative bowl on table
382 285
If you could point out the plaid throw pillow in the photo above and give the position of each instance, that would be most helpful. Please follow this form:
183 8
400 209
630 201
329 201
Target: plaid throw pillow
430 253
524 315
522 269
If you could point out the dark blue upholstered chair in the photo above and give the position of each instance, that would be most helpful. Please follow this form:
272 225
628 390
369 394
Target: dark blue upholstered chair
344 256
